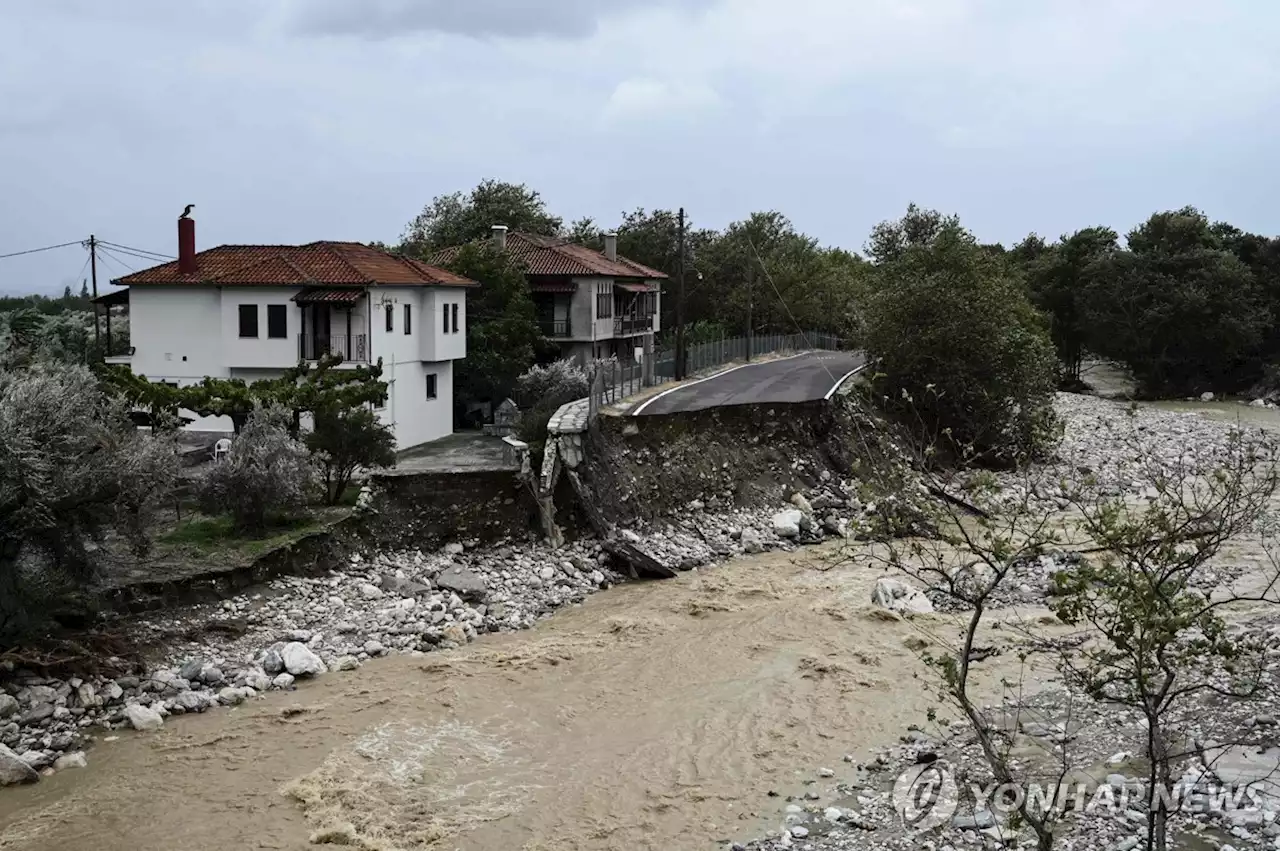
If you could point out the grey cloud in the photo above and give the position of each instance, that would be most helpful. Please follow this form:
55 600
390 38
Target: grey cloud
477 18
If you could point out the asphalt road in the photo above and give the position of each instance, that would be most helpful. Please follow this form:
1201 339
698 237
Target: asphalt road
802 378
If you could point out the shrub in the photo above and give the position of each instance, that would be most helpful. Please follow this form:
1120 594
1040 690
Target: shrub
541 390
345 440
267 476
961 350
72 467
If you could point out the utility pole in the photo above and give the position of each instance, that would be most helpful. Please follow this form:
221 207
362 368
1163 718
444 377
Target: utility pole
93 269
680 347
751 301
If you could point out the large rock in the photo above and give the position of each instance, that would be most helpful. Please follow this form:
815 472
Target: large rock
786 524
466 584
273 662
13 770
404 587
192 701
36 714
300 661
8 705
897 596
751 541
70 760
143 717
191 670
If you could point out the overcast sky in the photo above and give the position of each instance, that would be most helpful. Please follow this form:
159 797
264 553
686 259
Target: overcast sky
295 120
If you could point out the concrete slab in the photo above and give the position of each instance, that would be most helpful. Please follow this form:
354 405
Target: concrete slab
462 452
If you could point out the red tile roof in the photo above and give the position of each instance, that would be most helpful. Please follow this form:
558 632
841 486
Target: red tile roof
316 263
551 255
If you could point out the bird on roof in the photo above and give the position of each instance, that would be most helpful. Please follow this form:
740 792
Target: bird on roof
187 212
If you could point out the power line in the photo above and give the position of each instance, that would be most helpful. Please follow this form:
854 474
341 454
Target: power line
112 254
149 259
105 255
46 248
131 250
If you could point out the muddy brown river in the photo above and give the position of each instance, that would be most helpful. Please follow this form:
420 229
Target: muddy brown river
656 715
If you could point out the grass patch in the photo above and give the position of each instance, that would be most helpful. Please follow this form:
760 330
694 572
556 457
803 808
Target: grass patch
207 535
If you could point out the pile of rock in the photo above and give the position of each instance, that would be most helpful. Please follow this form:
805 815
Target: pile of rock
1124 448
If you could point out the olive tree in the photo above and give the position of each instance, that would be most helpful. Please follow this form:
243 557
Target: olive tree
72 470
267 476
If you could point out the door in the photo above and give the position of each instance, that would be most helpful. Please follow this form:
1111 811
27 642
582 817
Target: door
320 322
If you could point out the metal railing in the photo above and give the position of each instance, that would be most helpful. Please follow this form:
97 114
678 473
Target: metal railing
314 347
554 328
632 324
612 381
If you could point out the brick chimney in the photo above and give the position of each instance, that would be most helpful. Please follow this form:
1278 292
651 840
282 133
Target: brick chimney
186 246
500 237
611 246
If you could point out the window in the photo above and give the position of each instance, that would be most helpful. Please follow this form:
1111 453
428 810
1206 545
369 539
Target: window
444 311
277 321
391 318
455 318
248 320
431 385
408 320
604 300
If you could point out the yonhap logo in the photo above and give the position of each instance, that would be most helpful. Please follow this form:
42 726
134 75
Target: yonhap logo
924 796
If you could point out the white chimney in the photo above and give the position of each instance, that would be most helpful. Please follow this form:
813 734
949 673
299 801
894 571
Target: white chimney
500 237
611 246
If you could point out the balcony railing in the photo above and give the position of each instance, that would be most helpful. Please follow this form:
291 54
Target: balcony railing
623 325
315 347
554 328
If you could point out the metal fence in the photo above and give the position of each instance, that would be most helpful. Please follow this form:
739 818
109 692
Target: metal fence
612 381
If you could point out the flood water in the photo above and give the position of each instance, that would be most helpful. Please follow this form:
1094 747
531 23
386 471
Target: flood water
657 715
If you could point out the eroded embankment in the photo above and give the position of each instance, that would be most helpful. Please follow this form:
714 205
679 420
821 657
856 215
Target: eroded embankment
748 456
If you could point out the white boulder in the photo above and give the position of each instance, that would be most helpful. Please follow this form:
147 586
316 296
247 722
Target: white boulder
301 661
143 717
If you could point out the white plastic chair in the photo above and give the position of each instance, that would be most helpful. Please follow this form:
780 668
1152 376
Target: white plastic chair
221 449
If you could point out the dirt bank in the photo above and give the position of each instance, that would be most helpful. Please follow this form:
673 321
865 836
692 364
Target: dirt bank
655 715
640 468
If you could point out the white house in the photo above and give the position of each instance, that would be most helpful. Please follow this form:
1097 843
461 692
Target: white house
253 311
594 304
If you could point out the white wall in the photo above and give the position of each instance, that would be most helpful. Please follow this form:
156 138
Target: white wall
586 324
414 418
434 343
260 351
395 345
176 332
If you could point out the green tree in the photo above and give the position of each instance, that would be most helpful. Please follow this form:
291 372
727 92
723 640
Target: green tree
960 348
503 338
344 440
460 218
303 389
586 232
1182 312
1055 278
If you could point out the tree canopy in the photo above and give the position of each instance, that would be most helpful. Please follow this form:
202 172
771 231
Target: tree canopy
459 218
